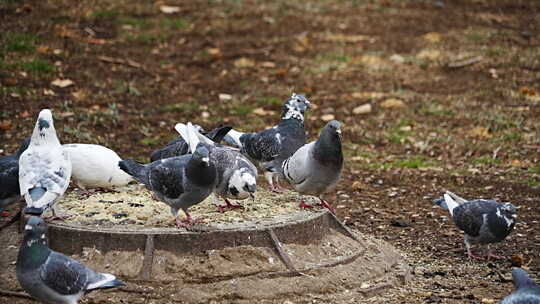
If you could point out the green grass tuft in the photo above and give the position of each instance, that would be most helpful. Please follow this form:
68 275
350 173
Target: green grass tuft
37 66
20 42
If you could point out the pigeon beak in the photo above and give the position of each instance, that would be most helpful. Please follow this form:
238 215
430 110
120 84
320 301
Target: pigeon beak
252 195
205 160
514 215
27 227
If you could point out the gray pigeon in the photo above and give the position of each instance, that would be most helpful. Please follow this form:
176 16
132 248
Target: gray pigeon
483 221
44 168
180 182
9 177
527 291
316 167
52 277
236 175
272 146
178 146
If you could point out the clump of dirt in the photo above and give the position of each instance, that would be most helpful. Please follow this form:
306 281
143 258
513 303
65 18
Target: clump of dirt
133 207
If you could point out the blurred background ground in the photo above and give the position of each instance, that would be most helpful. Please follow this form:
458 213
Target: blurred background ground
433 95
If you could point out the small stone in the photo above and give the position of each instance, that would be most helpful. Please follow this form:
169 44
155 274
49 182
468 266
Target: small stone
392 103
328 117
397 58
399 222
363 109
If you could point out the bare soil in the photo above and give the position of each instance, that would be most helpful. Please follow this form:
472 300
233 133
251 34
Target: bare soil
453 93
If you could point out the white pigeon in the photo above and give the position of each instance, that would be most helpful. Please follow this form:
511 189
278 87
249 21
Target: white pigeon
44 168
95 166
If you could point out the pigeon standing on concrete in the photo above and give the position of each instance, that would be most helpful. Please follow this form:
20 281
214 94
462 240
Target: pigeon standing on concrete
52 277
271 147
236 175
527 291
178 146
9 177
44 168
483 221
316 167
95 166
180 182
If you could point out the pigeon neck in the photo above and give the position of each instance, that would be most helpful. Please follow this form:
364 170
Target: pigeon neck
34 252
44 137
328 149
292 113
199 173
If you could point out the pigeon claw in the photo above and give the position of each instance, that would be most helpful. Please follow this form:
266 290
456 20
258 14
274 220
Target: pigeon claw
303 205
325 204
229 206
187 222
4 214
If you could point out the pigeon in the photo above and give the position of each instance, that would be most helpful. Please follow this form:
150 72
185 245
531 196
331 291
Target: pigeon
527 291
44 168
316 167
52 277
272 146
178 146
9 177
95 166
483 221
180 182
236 175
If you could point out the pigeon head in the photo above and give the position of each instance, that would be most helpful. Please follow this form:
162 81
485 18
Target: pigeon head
44 131
295 107
202 155
35 228
242 184
331 133
328 146
509 211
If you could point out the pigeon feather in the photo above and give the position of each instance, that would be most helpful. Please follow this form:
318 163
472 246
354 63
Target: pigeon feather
526 290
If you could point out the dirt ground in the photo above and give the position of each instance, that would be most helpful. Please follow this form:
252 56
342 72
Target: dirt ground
433 95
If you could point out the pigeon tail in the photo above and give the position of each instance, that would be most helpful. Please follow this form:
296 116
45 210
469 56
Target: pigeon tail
108 281
218 134
446 202
188 134
135 169
233 138
37 193
522 279
458 199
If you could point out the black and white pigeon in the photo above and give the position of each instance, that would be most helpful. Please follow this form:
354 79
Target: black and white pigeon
236 175
51 277
272 146
44 168
9 177
180 182
95 166
178 146
483 221
526 290
316 167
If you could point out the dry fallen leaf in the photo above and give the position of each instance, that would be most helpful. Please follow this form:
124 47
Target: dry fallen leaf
428 54
62 83
263 112
223 96
48 92
363 109
432 37
348 38
480 132
392 103
169 9
370 95
6 125
244 63
327 117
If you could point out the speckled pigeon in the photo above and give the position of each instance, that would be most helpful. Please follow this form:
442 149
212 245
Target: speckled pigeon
271 147
95 166
236 175
52 277
178 146
527 291
483 221
316 167
180 182
44 168
9 177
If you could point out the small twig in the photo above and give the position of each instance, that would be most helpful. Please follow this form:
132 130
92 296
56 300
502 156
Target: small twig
465 62
348 232
15 294
146 269
282 254
495 152
128 62
11 220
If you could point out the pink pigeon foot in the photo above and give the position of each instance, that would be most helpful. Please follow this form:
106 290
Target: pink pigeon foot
187 221
229 206
303 205
5 214
325 204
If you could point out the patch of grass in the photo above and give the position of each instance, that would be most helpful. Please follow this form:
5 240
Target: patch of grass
413 163
274 101
476 37
20 42
139 23
105 15
149 141
485 160
240 110
174 23
146 38
532 182
181 107
534 169
6 91
398 136
511 136
500 122
37 66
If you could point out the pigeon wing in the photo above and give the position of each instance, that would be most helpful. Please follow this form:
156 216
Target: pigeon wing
263 146
167 178
64 275
296 168
9 178
470 216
